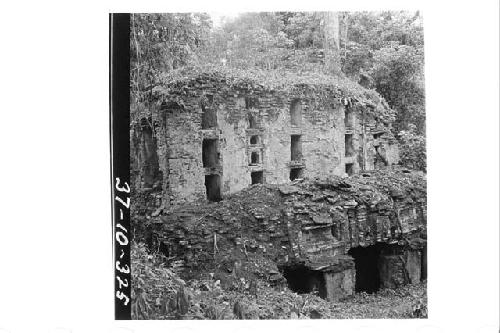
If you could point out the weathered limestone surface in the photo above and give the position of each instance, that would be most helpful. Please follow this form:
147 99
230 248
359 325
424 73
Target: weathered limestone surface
179 132
310 222
340 285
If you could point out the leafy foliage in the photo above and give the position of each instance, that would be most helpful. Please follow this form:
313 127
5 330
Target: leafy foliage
385 51
158 293
160 43
412 149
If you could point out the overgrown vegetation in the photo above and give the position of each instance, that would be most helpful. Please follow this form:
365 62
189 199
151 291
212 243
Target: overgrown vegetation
381 58
158 293
379 50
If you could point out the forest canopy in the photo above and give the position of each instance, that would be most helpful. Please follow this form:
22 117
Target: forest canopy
383 51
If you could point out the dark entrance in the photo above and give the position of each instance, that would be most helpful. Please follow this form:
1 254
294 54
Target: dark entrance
212 185
303 280
366 264
257 177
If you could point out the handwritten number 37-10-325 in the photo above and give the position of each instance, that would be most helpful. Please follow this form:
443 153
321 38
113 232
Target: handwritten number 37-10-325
122 239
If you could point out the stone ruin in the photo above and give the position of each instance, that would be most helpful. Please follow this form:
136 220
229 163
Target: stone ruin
336 236
212 137
232 175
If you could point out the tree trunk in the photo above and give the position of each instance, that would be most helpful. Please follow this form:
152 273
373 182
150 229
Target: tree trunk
332 42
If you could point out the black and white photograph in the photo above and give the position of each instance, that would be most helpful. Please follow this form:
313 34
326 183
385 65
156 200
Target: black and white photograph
264 166
278 165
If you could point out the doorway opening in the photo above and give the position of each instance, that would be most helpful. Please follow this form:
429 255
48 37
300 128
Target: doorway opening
371 265
303 280
212 186
367 271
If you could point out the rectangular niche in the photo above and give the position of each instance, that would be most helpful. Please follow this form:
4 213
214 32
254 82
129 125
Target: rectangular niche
296 112
252 121
349 168
348 117
349 147
254 140
212 186
257 177
210 156
295 148
208 117
255 158
296 173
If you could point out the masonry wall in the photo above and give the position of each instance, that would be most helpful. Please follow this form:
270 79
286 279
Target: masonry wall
321 127
316 223
183 149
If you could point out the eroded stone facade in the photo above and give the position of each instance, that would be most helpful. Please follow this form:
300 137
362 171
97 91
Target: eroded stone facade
262 136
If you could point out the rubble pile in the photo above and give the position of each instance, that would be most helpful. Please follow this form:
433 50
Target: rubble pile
257 230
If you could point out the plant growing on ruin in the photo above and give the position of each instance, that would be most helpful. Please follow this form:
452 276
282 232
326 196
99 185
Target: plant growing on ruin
412 149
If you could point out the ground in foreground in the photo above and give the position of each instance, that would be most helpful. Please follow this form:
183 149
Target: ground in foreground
159 293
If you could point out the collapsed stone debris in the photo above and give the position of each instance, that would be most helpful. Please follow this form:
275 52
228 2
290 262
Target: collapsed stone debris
334 236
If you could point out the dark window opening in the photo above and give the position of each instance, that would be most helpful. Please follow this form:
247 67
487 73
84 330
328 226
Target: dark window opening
251 102
254 139
296 148
303 280
349 168
365 175
377 135
348 117
296 173
209 154
257 177
296 112
146 155
349 148
254 158
208 117
212 186
252 123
